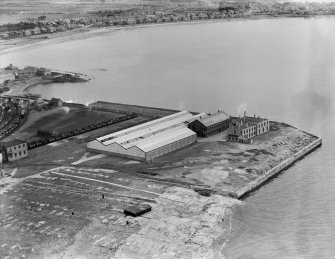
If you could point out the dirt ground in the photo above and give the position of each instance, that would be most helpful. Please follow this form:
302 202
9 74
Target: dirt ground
71 206
60 213
215 163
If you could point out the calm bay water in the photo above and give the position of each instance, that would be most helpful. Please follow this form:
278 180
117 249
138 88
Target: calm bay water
283 69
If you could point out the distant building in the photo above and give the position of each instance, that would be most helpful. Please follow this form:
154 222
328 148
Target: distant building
131 21
11 67
27 72
51 29
44 133
14 150
43 72
206 126
244 129
38 102
61 28
44 30
36 31
56 102
27 33
4 36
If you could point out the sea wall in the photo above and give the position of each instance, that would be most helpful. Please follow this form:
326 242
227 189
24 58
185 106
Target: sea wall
277 169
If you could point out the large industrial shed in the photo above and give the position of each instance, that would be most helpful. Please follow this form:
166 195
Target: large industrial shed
149 140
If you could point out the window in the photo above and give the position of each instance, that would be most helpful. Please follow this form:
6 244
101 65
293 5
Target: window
19 146
15 154
20 153
24 152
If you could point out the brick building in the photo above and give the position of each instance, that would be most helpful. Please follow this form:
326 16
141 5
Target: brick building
14 150
206 126
244 129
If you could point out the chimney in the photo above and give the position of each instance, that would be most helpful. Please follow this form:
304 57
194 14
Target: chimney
254 115
245 114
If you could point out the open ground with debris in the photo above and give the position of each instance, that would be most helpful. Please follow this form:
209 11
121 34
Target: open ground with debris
65 202
216 164
61 212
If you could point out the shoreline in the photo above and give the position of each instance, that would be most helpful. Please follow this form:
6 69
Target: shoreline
90 32
277 169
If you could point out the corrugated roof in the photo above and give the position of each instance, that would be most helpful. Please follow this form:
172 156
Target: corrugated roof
153 134
198 116
214 118
164 139
129 136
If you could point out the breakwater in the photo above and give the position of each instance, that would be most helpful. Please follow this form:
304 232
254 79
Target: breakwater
250 187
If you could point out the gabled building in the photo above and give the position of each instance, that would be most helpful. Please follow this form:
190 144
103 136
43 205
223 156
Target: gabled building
43 72
14 150
149 140
209 125
244 129
56 102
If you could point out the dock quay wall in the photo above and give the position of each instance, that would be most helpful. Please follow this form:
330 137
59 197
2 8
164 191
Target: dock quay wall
276 169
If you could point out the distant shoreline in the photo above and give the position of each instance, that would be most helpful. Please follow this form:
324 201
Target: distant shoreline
20 44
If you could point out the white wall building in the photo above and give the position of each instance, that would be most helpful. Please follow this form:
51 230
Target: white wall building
14 149
149 140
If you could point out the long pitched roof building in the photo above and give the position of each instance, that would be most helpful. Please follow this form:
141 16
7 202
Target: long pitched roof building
149 140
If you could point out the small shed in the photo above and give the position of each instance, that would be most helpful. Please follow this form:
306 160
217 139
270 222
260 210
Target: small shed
137 210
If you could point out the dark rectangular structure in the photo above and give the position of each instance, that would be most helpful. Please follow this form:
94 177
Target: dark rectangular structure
211 124
137 210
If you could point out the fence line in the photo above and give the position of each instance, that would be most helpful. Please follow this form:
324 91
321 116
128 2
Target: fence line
57 137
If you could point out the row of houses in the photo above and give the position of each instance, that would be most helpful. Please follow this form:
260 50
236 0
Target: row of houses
47 27
37 31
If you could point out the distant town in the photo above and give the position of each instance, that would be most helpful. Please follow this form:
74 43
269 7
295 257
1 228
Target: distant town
42 25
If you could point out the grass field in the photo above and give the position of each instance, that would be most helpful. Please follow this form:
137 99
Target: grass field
61 120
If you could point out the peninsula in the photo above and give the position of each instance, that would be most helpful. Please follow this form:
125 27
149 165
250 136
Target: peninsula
17 81
70 197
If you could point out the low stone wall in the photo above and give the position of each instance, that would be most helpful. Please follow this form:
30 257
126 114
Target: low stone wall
276 169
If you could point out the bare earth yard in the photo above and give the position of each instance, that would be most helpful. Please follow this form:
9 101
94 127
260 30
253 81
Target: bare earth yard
53 206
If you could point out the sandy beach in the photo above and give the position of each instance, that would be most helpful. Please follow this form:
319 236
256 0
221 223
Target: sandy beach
19 44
